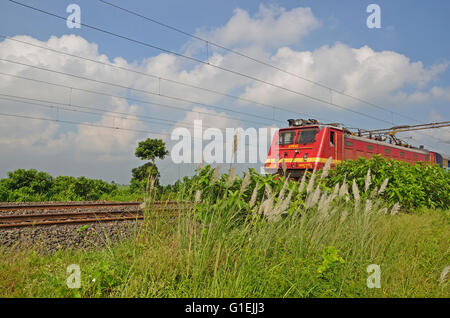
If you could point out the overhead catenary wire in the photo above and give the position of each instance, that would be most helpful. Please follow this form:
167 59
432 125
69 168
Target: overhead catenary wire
110 95
170 80
103 112
103 94
209 42
205 63
146 92
159 77
115 96
201 61
83 124
53 106
234 51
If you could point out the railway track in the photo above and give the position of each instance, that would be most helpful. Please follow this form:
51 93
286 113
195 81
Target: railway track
84 213
77 205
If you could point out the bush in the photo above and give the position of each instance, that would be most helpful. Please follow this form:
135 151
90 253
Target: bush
421 185
31 185
140 176
3 191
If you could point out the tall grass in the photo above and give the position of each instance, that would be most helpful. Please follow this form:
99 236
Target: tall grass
254 237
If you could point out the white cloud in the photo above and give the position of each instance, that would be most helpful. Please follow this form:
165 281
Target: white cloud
441 93
384 77
364 73
271 26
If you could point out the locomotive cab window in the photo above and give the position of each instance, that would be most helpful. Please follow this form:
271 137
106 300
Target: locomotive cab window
331 138
306 136
287 137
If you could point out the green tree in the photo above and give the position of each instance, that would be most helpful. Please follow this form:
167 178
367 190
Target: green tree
149 149
141 173
140 176
26 185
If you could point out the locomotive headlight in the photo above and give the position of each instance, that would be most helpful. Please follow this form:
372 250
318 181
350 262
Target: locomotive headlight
305 157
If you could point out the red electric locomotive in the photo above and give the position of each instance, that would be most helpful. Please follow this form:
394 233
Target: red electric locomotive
307 144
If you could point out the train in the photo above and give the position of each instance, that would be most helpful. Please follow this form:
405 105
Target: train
307 144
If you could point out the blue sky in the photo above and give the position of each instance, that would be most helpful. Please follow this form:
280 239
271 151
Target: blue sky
415 32
416 28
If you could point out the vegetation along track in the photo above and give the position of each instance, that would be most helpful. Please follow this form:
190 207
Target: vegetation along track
73 213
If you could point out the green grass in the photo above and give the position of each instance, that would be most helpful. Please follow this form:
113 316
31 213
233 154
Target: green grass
318 245
182 258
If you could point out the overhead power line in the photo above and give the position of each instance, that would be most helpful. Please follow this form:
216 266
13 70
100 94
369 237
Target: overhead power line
205 63
215 66
83 124
208 42
115 96
102 112
158 77
145 92
54 106
129 88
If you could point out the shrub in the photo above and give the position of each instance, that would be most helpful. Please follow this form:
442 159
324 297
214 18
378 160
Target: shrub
31 185
421 185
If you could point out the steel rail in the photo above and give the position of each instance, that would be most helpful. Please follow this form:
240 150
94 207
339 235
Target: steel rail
75 205
22 220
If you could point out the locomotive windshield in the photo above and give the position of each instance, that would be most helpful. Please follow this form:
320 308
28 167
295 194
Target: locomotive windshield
306 136
287 137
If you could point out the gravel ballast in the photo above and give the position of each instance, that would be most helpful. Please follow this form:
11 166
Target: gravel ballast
51 238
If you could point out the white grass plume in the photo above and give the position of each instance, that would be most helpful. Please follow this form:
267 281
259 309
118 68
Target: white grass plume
356 195
368 181
383 210
313 198
268 208
335 192
444 274
261 206
383 186
198 196
281 206
267 191
283 189
245 183
231 177
395 209
343 191
374 192
216 174
254 195
368 207
323 205
311 182
326 168
301 188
